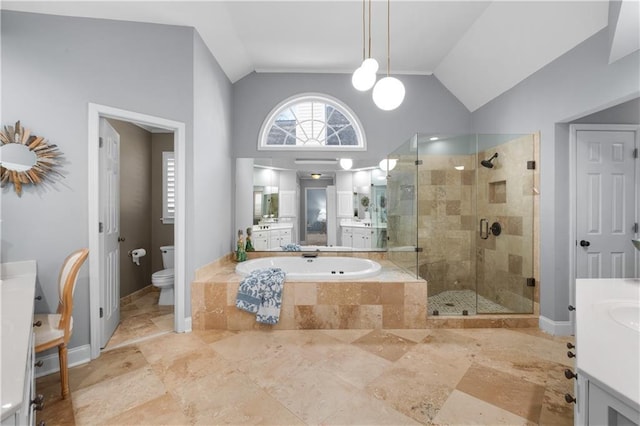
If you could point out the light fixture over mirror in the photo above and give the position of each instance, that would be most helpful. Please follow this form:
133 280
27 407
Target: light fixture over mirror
388 93
25 158
316 175
387 164
346 163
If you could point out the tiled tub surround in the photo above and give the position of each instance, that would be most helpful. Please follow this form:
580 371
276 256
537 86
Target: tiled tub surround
391 300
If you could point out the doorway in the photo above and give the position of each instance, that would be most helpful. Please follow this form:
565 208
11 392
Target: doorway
141 185
605 180
316 216
97 255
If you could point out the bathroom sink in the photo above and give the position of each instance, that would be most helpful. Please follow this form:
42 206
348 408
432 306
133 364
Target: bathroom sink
626 314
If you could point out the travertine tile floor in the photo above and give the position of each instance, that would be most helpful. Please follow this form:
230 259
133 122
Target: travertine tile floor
141 318
366 377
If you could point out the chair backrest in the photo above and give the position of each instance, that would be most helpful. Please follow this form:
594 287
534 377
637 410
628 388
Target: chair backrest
67 285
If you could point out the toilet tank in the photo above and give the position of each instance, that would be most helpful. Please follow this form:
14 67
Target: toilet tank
167 256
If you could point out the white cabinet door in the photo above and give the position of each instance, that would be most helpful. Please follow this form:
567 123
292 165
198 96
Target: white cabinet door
347 237
345 204
287 204
260 240
285 236
362 238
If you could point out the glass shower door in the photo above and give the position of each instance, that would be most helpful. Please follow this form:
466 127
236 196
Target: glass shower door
402 205
505 224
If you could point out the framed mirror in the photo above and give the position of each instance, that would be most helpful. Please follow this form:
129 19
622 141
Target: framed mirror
25 158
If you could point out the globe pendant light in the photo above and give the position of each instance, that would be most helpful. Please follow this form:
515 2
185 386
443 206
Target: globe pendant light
388 92
364 77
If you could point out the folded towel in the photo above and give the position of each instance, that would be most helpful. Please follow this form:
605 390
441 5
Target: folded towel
260 293
290 247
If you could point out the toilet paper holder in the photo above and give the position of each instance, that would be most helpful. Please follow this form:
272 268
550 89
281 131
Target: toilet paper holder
136 254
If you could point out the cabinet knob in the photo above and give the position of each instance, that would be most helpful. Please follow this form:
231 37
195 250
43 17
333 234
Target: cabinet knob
570 354
38 297
38 402
571 308
570 345
570 374
37 323
570 399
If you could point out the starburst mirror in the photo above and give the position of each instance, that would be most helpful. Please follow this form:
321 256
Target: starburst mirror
26 159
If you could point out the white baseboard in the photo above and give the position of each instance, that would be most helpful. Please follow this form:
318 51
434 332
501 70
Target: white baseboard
187 325
556 328
51 364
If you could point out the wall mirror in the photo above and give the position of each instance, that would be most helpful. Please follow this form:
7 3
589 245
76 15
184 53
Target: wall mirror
313 203
25 158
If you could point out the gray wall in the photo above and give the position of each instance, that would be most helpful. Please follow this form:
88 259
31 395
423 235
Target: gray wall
578 83
52 67
428 106
161 233
624 113
135 204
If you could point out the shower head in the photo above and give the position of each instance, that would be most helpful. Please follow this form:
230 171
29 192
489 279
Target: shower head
489 163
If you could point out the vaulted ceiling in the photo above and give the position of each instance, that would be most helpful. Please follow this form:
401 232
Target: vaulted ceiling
477 49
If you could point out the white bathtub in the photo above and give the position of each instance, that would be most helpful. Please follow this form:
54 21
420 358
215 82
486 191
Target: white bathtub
326 268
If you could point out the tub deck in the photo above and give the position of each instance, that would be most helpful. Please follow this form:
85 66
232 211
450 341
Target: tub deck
391 300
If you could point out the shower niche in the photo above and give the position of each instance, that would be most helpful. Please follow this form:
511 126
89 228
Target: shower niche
468 227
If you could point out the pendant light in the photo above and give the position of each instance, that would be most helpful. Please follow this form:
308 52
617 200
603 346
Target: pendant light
364 77
388 92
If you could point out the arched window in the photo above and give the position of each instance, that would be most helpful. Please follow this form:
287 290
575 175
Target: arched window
312 122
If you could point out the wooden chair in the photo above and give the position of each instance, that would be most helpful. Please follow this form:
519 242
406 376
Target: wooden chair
55 329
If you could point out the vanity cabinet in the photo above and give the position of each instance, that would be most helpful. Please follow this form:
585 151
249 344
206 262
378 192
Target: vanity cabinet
17 284
604 406
268 237
279 237
362 238
607 351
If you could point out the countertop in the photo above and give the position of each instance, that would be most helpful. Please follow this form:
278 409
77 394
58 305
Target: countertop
363 224
607 350
17 286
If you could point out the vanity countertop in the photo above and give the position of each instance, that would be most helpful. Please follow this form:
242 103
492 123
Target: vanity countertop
608 333
17 286
274 225
362 224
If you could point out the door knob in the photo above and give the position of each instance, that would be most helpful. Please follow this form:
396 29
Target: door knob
584 243
120 239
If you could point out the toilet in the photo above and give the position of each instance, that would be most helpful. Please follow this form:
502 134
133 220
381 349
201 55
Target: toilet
164 279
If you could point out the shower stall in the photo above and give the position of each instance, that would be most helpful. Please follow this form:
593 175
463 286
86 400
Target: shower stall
462 216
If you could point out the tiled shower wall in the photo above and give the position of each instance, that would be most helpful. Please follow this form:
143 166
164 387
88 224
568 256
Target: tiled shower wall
446 222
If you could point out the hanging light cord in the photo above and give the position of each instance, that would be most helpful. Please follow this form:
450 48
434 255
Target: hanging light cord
369 28
388 36
364 37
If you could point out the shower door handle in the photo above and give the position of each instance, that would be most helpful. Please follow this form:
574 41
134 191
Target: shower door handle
484 229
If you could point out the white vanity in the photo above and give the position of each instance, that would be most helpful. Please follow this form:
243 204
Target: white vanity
362 234
267 236
17 285
608 352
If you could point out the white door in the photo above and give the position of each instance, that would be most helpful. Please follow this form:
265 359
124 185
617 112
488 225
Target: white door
606 203
110 232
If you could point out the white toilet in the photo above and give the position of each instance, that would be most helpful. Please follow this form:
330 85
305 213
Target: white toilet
164 279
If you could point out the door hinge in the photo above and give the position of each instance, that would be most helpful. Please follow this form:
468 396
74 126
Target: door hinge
635 228
531 165
100 142
101 313
531 282
418 162
418 249
635 153
100 227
